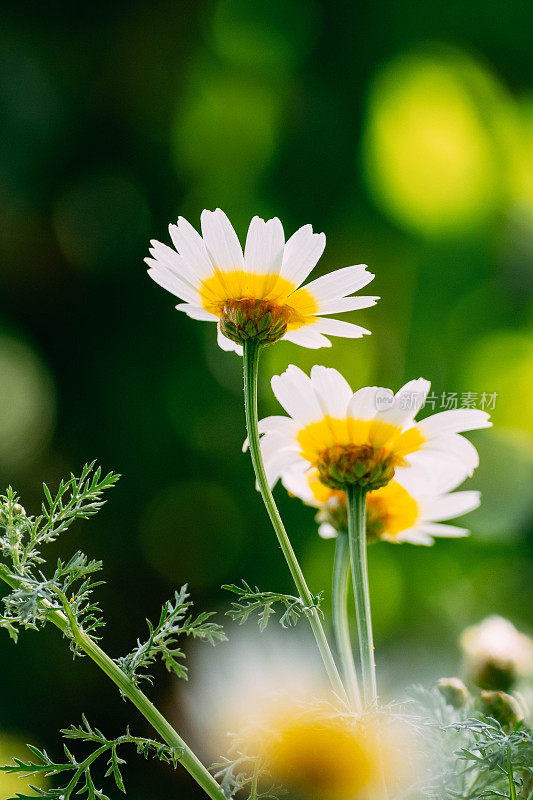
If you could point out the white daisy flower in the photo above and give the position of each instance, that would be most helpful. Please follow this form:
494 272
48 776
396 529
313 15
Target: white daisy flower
408 509
362 438
258 293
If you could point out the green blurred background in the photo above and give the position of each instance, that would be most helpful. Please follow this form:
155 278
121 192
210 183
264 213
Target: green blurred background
402 130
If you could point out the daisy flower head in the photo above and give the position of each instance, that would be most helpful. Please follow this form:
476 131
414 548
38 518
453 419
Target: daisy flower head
257 294
362 438
407 509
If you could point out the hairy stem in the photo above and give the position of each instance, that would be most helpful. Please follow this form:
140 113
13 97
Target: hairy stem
250 366
185 755
510 777
341 579
357 537
255 781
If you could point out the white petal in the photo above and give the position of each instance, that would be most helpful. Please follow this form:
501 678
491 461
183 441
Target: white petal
283 426
438 478
415 536
454 421
451 448
226 344
449 531
272 444
296 482
263 252
294 391
221 241
338 327
280 461
339 283
166 258
327 531
171 282
407 403
307 336
301 254
449 506
196 312
363 404
191 247
344 304
332 390
415 482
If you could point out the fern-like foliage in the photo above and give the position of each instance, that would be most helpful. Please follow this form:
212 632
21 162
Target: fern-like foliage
245 776
75 498
254 601
174 621
77 779
22 539
469 756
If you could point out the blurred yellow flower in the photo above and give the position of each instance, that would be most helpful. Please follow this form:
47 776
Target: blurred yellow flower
407 509
321 754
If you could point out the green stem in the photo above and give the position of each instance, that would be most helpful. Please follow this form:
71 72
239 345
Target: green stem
341 579
255 781
250 367
356 502
357 537
510 776
186 757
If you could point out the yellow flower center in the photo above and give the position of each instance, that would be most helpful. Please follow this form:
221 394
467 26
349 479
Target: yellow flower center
389 510
323 759
279 296
363 452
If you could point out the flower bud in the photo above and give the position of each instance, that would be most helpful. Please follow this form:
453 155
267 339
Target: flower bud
454 692
253 319
503 707
497 655
364 466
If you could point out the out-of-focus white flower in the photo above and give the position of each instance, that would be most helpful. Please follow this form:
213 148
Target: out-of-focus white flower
408 509
268 692
258 293
252 673
362 438
497 654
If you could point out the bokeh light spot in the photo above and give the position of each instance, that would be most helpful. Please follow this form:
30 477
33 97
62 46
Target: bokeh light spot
27 404
502 363
226 132
192 532
12 785
431 144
